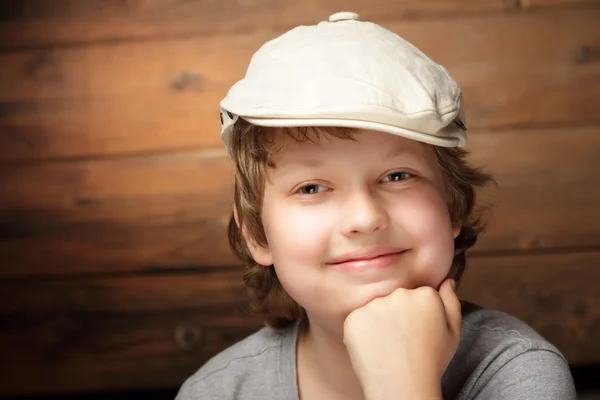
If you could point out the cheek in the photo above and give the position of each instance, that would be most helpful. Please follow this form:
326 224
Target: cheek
297 235
424 218
298 240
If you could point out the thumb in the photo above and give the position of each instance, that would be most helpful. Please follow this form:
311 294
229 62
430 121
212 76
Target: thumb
452 306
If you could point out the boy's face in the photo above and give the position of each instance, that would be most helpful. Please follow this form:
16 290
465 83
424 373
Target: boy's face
339 199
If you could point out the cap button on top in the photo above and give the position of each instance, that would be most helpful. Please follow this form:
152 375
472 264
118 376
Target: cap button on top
344 16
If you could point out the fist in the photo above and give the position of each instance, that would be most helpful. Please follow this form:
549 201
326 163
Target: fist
401 344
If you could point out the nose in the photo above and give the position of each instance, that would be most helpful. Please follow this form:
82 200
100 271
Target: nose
364 213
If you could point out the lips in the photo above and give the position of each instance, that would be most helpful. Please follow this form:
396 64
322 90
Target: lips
366 254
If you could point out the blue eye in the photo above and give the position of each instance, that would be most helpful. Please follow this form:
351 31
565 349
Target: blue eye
312 188
397 176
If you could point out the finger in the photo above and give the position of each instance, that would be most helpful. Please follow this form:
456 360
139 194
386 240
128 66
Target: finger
452 306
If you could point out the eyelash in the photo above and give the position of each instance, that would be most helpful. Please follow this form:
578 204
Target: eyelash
407 175
300 190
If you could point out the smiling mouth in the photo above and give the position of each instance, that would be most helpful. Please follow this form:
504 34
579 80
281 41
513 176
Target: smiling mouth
379 261
357 259
367 254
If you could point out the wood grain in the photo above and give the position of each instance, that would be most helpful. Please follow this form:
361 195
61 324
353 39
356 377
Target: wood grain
74 353
534 4
171 212
117 334
547 193
47 22
206 290
145 332
156 96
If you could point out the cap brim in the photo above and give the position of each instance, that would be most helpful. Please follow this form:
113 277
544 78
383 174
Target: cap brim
453 137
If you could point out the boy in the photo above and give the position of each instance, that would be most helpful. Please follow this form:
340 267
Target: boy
353 209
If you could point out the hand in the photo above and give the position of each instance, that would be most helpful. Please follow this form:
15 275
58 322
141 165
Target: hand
401 344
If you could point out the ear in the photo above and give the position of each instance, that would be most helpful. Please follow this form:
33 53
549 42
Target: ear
260 254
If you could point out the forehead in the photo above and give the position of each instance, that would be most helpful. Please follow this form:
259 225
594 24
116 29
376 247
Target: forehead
316 146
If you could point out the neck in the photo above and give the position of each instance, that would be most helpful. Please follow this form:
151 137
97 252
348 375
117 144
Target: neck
324 367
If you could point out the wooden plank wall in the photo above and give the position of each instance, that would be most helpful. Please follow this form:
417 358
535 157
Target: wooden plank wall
115 189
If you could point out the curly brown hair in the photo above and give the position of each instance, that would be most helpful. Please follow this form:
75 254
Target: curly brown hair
250 150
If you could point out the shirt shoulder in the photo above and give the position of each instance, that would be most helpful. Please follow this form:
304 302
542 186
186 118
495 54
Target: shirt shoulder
250 368
499 351
486 328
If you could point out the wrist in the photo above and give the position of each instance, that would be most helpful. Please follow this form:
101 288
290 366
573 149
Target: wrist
400 391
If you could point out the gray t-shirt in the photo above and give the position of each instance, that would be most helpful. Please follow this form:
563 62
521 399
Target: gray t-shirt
499 357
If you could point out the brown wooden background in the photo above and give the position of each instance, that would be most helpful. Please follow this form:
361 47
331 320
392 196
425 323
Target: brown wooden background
115 189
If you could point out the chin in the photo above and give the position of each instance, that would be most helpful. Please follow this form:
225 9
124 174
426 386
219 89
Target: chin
364 295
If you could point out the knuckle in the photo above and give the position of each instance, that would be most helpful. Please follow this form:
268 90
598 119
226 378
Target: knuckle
427 292
399 293
350 320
